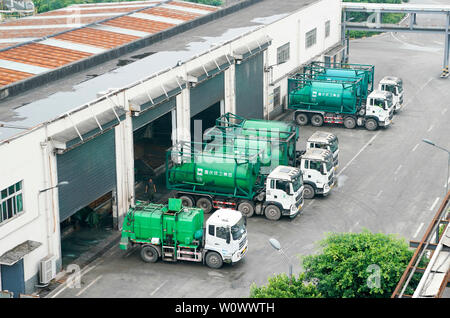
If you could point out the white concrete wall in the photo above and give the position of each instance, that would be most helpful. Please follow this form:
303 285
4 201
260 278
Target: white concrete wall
40 219
293 29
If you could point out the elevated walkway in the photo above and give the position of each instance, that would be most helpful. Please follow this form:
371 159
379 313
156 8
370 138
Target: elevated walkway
374 21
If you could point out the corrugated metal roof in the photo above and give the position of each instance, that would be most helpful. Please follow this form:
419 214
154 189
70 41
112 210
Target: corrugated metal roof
139 24
96 37
80 31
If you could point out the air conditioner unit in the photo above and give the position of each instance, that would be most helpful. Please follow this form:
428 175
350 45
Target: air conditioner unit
47 269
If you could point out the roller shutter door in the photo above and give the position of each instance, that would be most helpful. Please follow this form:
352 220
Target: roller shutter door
250 87
90 170
153 113
207 93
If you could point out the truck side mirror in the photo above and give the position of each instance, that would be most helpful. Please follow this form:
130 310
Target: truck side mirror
228 237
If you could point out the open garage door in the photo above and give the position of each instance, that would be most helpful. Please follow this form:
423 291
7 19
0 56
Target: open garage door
205 99
152 136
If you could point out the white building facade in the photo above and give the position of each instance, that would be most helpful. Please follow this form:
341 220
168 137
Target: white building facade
92 147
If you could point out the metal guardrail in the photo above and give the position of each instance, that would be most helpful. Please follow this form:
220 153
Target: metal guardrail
442 217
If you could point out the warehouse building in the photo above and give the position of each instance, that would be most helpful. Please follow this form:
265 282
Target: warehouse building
86 100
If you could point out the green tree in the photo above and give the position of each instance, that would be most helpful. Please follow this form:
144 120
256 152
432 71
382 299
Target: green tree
48 5
349 265
359 265
279 287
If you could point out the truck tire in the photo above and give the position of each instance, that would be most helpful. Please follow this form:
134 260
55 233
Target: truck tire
187 201
302 119
214 260
317 120
349 122
205 204
371 124
308 191
149 254
246 208
272 212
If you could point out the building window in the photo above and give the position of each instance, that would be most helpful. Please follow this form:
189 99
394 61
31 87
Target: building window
11 201
311 37
283 53
276 97
327 28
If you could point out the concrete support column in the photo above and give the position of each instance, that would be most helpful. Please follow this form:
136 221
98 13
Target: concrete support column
124 195
183 108
266 79
48 203
230 90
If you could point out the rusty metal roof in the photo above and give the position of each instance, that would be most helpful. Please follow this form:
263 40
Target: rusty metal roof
50 40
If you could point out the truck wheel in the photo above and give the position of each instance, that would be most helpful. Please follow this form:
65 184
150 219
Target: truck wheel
308 191
349 122
301 119
246 208
149 254
317 120
205 204
214 260
187 201
371 124
272 212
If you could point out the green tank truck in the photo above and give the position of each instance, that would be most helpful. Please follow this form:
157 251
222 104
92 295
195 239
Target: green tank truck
174 233
225 178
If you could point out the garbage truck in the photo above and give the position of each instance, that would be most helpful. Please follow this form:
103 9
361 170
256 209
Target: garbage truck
318 171
331 71
395 86
338 101
366 72
211 180
174 233
286 134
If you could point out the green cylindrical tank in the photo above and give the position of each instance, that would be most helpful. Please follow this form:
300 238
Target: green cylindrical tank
256 127
325 96
147 221
351 74
217 173
271 152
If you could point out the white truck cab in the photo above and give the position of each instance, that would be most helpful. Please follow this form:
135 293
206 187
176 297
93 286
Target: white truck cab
379 109
393 85
318 172
284 192
327 141
225 235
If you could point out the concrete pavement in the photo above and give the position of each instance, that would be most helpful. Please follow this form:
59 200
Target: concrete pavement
389 182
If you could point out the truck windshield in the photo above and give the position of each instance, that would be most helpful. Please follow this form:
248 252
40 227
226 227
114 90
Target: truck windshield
297 182
238 229
329 164
334 145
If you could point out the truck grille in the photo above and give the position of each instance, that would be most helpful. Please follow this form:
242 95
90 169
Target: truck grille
242 243
299 196
331 179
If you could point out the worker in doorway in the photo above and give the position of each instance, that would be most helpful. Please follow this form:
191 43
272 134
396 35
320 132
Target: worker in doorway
150 189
